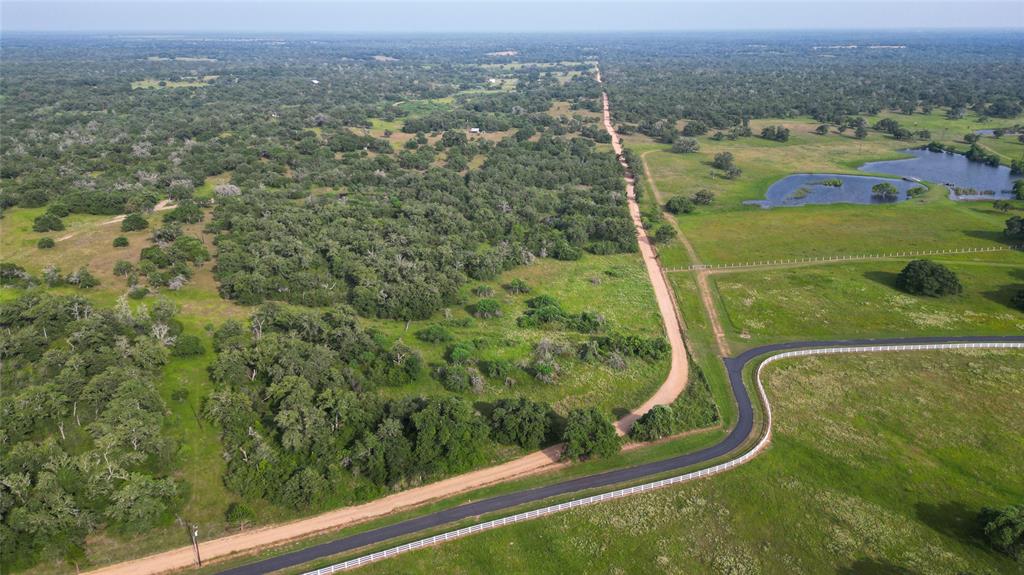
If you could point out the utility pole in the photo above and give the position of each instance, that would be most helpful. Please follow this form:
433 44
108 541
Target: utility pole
193 533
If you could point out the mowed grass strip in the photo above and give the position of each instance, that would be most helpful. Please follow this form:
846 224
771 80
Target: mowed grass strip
878 464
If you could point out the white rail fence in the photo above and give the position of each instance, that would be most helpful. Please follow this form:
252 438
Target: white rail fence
791 261
750 454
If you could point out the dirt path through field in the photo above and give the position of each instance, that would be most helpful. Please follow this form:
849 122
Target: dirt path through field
161 206
274 535
703 287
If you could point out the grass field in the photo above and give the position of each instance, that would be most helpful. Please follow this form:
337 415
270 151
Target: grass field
155 84
860 300
878 465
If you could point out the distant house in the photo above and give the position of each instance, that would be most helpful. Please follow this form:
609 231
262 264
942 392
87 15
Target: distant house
316 81
474 130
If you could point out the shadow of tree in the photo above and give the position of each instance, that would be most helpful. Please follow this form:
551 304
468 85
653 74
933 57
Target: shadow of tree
869 566
887 279
953 519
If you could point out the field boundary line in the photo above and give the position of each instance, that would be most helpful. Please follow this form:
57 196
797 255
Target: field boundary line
828 259
750 454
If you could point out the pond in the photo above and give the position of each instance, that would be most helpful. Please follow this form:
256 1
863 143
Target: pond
804 189
951 170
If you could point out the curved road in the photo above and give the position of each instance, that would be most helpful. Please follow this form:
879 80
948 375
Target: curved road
737 436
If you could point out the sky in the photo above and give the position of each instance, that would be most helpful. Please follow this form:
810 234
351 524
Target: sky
483 16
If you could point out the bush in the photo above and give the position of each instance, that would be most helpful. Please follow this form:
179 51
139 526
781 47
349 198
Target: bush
239 514
1014 227
59 210
520 421
703 197
187 346
517 286
122 268
482 290
45 243
925 277
1004 529
120 242
134 222
685 146
487 308
454 378
723 160
434 334
680 205
138 292
47 223
885 190
659 422
589 433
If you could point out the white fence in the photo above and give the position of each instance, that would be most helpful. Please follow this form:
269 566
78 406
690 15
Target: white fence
750 454
765 263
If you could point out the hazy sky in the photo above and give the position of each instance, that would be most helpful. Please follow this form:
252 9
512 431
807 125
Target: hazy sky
501 15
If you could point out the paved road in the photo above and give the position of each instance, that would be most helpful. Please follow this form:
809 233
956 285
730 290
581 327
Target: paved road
739 434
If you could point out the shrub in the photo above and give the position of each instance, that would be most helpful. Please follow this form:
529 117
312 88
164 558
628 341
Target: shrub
481 290
454 378
657 423
83 279
680 205
663 233
1004 529
496 368
704 197
460 352
434 334
138 292
239 514
134 222
685 146
723 160
122 268
58 209
187 346
1014 227
45 243
47 223
925 277
487 308
885 190
517 286
120 242
589 433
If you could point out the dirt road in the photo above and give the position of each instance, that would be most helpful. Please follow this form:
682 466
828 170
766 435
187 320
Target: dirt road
273 535
703 287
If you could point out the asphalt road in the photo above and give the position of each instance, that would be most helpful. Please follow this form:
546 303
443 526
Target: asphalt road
742 430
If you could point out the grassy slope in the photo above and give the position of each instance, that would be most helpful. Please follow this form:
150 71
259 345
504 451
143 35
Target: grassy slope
882 476
860 300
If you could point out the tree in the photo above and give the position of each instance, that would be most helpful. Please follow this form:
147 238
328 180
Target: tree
1014 227
450 436
695 128
925 277
141 501
723 160
679 205
187 346
45 243
589 433
134 222
1002 205
520 421
685 146
821 130
860 132
703 197
47 223
1004 529
657 423
885 191
663 233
